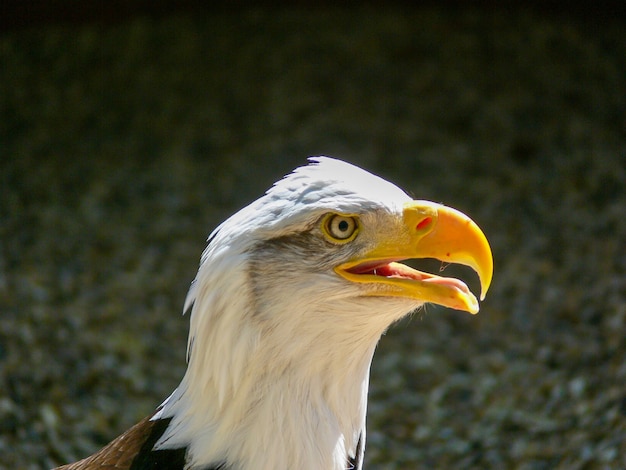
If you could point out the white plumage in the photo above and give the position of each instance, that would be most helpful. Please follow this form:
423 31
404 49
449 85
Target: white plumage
279 356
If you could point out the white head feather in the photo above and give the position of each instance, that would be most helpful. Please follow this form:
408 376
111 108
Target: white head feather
280 346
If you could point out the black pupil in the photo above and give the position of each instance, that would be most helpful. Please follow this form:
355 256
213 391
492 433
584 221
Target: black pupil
344 225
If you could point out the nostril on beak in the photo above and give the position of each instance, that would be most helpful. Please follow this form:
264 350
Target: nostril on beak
425 222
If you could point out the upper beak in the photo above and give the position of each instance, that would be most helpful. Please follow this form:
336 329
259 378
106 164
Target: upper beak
428 230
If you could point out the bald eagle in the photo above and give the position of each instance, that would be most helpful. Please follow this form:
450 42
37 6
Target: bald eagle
291 297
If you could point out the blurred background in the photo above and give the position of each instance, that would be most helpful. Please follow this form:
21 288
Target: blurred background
129 130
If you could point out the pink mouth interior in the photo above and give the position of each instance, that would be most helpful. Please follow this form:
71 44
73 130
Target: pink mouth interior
393 269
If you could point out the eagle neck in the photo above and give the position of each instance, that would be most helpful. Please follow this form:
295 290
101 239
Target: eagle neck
265 395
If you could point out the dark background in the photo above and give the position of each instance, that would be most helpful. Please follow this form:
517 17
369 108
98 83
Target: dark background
16 14
128 130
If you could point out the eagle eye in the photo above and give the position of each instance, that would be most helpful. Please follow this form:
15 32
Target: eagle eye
340 228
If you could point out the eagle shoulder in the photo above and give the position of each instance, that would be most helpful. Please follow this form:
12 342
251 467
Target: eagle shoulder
133 450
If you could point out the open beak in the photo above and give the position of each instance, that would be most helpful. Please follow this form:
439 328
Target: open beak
428 230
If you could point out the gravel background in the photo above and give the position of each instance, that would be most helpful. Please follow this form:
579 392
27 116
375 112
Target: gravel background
122 145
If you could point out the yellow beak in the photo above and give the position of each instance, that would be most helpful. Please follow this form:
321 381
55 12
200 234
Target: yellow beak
427 230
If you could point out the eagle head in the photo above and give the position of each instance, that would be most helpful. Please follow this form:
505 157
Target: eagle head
291 297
